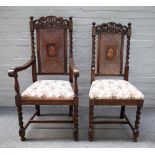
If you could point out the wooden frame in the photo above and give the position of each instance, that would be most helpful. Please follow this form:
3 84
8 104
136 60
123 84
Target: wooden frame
43 23
113 28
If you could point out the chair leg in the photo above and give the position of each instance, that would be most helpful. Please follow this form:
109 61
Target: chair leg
137 122
122 112
70 110
75 117
38 110
20 118
91 130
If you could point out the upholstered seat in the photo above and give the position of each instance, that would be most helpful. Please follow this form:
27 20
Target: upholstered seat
47 89
114 89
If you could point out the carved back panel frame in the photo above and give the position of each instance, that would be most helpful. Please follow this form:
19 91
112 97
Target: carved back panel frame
107 58
51 42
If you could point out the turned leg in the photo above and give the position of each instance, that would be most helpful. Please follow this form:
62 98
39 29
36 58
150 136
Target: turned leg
20 118
137 122
91 115
122 113
38 110
70 110
75 122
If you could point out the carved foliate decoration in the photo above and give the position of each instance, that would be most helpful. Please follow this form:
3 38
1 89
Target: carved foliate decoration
51 50
111 27
111 53
51 22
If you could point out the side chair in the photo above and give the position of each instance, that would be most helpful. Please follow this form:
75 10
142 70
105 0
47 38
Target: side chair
109 42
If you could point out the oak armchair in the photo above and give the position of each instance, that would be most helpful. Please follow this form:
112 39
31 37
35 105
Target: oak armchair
107 60
52 58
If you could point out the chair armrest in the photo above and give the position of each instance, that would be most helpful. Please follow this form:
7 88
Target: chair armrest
73 75
13 71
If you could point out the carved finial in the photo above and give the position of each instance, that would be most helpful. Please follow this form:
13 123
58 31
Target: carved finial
70 18
93 23
31 17
93 29
129 24
129 29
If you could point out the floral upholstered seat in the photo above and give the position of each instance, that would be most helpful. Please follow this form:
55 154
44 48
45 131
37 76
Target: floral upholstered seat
114 89
48 89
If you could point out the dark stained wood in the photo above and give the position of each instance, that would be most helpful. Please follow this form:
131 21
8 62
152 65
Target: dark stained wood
126 121
129 122
27 124
91 124
71 37
122 113
59 101
34 76
74 75
110 122
93 53
114 102
107 60
51 42
21 127
136 128
126 74
13 71
70 110
38 110
51 22
50 121
75 116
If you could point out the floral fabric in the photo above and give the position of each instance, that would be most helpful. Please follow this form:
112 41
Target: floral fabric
114 89
49 89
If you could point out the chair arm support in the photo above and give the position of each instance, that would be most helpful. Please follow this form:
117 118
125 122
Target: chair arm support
126 72
13 71
92 74
73 67
73 75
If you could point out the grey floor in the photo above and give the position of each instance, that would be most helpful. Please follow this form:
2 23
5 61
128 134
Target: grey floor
47 135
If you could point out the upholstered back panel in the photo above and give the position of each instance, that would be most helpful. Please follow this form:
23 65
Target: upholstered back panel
51 43
110 53
107 48
52 50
